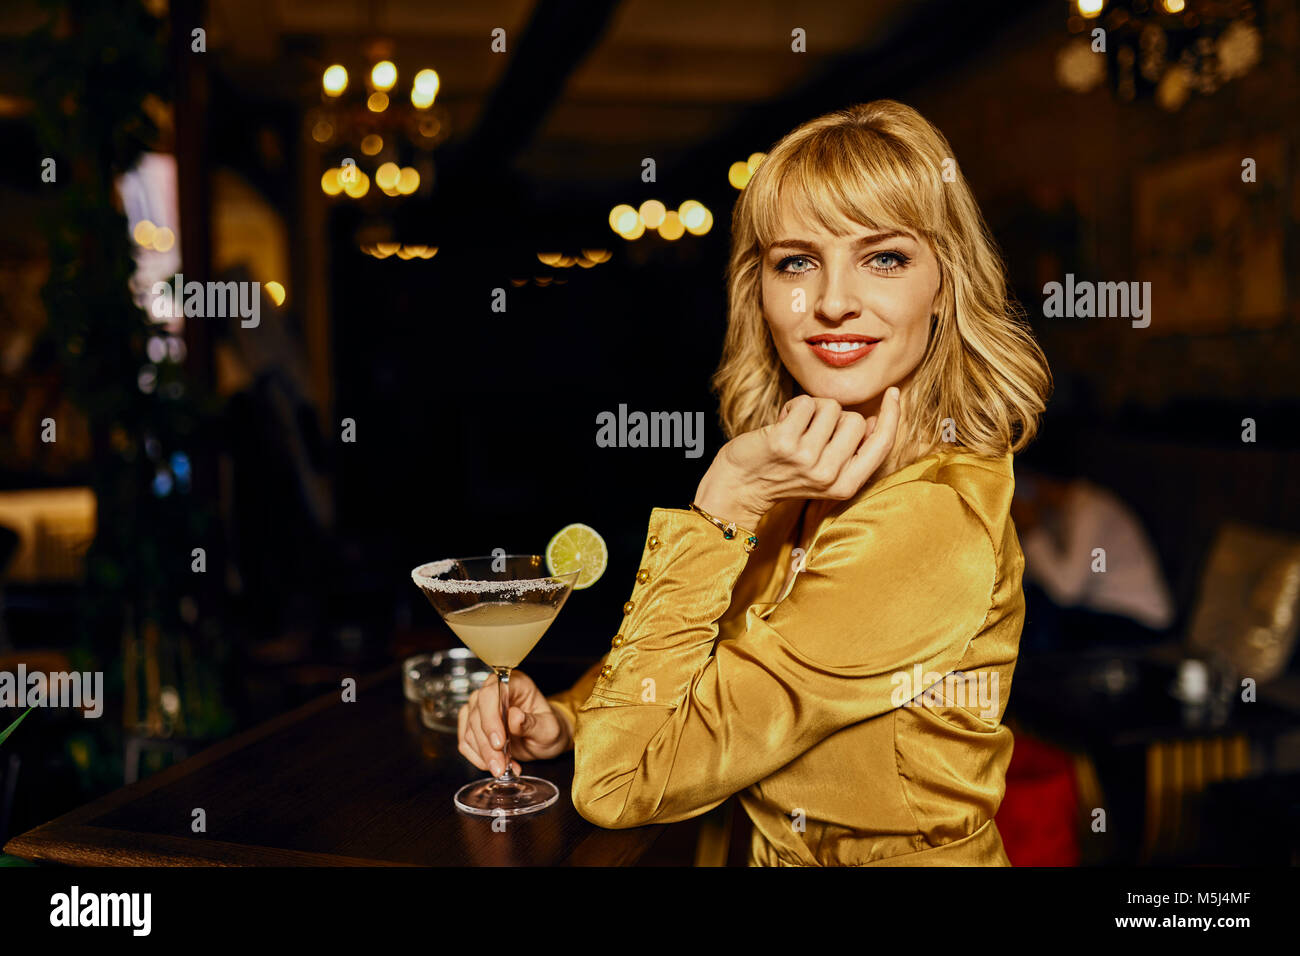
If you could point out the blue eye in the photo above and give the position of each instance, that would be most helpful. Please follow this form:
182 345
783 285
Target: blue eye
781 266
898 258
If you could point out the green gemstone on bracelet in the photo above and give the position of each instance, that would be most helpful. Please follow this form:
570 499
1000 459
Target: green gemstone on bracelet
728 533
752 541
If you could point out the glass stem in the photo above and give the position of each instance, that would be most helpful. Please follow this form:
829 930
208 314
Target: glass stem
503 675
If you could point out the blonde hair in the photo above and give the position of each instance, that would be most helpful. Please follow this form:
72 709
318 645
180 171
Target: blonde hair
882 164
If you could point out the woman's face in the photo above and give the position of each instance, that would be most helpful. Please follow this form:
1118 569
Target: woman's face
866 306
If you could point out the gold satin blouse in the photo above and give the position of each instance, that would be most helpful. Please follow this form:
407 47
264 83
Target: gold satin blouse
855 707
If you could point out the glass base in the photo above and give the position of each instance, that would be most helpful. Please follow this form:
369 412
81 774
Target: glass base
489 798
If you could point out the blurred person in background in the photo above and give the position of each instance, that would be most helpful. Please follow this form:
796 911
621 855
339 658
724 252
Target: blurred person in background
1075 596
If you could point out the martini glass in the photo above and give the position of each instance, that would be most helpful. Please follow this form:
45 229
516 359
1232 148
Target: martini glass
499 607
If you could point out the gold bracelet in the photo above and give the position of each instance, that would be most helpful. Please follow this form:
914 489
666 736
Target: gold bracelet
728 528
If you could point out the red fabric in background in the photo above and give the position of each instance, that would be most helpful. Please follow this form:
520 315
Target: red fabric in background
1039 816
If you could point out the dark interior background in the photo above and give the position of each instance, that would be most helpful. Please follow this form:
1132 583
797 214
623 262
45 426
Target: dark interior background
476 429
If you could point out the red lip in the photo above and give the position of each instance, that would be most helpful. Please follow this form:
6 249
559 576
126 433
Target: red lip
841 359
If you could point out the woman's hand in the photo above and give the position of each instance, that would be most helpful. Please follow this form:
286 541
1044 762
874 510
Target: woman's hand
815 450
537 732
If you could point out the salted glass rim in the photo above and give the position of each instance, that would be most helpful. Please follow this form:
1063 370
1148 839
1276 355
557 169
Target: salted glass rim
429 580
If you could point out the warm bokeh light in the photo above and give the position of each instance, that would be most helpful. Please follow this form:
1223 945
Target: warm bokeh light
427 83
672 228
617 214
164 239
377 102
386 249
1090 8
628 222
548 258
738 174
703 226
753 162
425 88
404 252
372 144
692 214
276 292
143 232
597 255
1174 6
566 262
386 176
408 180
652 213
329 182
335 80
359 186
383 75
323 131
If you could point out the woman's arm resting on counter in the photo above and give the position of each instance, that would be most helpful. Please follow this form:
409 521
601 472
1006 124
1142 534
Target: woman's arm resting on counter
901 578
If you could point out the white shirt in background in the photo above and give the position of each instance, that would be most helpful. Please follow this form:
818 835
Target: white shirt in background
1131 585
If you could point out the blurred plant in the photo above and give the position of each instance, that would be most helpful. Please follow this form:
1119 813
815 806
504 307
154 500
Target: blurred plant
4 734
96 71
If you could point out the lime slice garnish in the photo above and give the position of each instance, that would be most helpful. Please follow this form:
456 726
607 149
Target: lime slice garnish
578 546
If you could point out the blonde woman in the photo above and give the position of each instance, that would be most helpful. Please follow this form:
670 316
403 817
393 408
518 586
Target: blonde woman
830 630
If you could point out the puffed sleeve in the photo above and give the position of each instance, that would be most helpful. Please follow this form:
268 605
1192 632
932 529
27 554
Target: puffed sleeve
674 726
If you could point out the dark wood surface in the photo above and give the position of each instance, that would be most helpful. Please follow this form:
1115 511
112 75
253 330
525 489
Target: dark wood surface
328 784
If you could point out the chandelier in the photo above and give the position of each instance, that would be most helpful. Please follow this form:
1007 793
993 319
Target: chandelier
372 128
1166 50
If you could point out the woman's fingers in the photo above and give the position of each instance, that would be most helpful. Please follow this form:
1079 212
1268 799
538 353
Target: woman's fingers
798 413
824 421
489 709
873 451
849 432
521 724
479 719
488 758
470 744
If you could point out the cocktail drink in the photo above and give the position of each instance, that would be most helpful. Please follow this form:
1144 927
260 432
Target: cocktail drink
499 607
500 633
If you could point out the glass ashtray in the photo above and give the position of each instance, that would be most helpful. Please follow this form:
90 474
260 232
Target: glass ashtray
441 683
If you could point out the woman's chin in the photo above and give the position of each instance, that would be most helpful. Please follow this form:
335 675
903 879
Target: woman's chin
847 397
